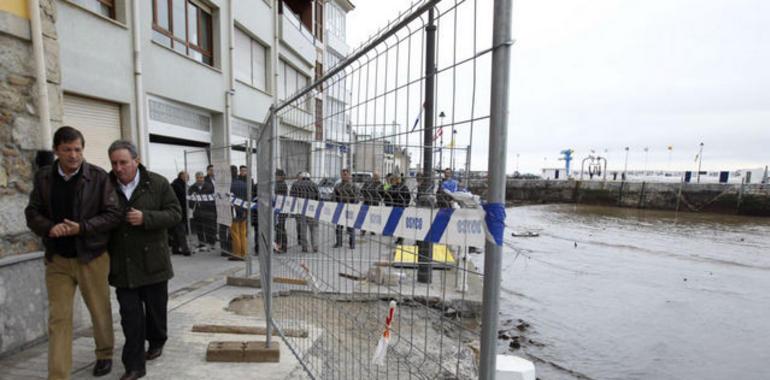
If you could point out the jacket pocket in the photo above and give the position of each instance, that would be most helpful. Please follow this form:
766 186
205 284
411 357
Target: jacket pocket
156 258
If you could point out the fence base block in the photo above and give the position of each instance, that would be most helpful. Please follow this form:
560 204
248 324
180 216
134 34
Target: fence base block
510 367
243 352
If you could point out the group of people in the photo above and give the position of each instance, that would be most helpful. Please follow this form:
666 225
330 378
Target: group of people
101 229
393 192
204 221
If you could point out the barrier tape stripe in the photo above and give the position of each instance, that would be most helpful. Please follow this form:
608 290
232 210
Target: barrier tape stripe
395 216
361 217
439 225
449 226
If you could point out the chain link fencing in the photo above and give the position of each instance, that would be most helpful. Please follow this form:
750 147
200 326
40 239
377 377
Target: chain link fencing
370 233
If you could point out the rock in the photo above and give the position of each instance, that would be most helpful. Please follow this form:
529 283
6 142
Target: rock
450 312
514 345
18 80
23 187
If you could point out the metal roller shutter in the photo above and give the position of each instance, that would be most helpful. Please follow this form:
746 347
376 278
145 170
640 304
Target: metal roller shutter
99 121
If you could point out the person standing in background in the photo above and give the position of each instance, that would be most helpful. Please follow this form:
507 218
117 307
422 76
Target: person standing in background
178 233
305 188
372 192
398 195
204 211
238 226
345 192
281 188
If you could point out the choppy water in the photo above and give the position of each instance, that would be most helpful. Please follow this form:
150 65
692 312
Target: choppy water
615 293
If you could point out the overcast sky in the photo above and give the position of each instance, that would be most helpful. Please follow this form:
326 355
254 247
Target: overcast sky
606 74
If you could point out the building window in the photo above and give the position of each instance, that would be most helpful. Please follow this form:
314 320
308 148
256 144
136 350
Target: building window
290 81
105 8
335 19
185 26
250 58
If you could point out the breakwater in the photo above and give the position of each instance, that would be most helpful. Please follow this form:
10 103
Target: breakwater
752 199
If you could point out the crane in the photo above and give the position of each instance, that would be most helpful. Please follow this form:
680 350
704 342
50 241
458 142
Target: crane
567 153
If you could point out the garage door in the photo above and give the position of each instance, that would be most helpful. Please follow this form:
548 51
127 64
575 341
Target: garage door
99 121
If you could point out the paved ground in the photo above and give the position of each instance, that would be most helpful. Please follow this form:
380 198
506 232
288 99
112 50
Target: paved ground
197 295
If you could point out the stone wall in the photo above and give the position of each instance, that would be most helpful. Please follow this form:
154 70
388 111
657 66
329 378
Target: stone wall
23 299
19 121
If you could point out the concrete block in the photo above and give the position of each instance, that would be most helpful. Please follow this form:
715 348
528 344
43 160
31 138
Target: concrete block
510 367
229 352
243 352
260 352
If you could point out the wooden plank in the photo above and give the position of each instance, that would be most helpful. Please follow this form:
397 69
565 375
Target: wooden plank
250 330
248 282
289 280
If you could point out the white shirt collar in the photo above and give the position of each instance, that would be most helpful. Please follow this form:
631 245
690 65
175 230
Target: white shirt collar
67 176
128 190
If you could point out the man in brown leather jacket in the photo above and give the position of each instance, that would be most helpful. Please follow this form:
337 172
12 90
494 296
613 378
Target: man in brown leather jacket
73 207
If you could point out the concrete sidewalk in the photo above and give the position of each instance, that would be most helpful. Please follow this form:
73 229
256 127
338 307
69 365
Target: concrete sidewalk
197 295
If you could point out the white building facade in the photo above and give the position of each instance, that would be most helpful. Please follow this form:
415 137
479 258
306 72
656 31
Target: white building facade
187 75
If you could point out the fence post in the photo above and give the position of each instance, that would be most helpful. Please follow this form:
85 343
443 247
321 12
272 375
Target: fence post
267 283
249 198
424 257
498 138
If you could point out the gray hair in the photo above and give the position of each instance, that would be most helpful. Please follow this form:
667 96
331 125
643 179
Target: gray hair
199 174
123 144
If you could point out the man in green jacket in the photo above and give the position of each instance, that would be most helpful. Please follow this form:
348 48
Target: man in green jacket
140 262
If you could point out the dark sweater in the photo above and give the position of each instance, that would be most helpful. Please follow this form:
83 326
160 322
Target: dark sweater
62 207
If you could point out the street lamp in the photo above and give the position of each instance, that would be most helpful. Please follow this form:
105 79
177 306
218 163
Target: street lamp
670 149
452 148
700 160
625 168
517 162
646 150
441 116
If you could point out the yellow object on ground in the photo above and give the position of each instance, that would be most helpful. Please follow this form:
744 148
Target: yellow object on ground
406 255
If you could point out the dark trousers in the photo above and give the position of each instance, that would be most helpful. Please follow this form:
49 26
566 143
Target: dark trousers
351 236
205 228
225 242
143 313
280 231
178 239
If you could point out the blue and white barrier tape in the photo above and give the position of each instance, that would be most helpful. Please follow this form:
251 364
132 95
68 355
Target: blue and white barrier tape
463 227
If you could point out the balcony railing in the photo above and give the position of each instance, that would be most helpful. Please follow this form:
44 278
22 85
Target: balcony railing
295 22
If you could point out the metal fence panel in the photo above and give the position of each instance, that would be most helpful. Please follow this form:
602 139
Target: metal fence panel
379 273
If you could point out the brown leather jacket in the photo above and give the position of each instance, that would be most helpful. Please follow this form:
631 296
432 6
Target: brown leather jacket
96 207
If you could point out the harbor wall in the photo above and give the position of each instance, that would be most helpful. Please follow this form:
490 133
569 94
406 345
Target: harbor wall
752 199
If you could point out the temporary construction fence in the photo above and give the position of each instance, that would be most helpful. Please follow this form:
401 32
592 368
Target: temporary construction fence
366 253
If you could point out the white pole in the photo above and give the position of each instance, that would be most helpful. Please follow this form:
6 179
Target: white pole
40 73
700 160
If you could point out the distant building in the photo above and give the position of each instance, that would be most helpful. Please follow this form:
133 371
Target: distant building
748 176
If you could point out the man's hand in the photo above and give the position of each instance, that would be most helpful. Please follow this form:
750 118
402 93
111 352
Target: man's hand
134 217
73 228
57 231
